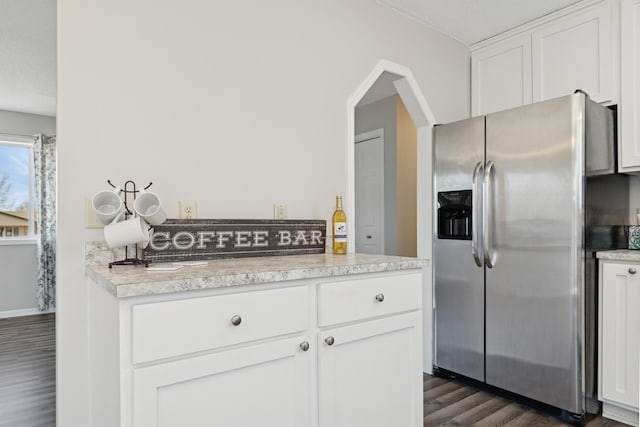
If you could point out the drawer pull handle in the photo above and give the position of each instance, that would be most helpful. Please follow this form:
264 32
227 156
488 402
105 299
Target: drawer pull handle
329 340
236 320
304 345
632 270
380 297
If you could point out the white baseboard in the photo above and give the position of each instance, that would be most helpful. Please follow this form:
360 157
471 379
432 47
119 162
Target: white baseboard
617 413
23 312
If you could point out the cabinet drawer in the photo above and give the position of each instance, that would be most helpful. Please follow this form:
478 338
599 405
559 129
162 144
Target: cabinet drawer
173 328
351 300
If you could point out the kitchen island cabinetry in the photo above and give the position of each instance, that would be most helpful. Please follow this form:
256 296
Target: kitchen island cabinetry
271 378
619 336
310 346
265 384
629 148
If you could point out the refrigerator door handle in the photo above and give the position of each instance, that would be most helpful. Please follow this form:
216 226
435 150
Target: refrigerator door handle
476 237
487 216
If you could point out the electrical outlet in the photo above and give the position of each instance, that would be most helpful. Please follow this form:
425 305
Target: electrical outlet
279 211
187 209
90 216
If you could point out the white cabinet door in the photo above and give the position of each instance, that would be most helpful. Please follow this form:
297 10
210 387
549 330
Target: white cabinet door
370 374
501 76
630 84
265 385
576 52
619 333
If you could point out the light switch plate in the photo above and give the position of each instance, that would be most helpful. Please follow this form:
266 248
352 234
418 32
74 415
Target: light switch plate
279 211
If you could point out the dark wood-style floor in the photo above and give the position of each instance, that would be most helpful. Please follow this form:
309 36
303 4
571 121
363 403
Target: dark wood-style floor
28 393
28 371
450 403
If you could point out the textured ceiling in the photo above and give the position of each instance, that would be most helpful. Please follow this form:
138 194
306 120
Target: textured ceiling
28 56
471 21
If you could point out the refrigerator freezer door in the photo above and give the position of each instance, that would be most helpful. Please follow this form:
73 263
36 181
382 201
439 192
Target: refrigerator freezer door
534 290
459 282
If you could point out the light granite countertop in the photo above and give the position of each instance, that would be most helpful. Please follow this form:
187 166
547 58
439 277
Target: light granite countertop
130 281
620 255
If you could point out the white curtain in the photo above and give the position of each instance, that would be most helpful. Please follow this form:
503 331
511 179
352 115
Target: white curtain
44 157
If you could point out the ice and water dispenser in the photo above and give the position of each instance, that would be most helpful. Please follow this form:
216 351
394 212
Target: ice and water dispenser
454 215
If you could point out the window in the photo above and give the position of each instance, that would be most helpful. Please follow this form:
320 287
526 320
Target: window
17 217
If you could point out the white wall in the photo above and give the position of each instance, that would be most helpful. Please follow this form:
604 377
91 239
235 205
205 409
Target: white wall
18 262
26 124
382 114
234 104
634 198
18 284
407 140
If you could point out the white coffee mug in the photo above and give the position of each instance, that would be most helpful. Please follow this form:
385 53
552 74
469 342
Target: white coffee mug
128 232
107 205
149 207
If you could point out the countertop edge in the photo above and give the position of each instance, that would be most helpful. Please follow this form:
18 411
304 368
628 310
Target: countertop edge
619 255
157 285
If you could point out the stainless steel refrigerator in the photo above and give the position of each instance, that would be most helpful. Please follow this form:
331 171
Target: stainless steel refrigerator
520 195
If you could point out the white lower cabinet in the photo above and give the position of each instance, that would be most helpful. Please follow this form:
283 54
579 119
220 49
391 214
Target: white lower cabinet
249 357
619 340
356 389
263 385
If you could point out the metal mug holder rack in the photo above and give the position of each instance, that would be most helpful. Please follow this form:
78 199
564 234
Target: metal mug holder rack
129 189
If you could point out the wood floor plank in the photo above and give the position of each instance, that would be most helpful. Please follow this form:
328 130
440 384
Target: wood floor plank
534 419
477 413
433 393
502 417
440 409
448 412
27 371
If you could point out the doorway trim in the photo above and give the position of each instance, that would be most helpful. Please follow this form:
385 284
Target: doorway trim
421 114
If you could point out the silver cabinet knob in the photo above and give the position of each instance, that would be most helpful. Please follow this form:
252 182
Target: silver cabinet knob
236 320
380 297
632 270
304 345
329 340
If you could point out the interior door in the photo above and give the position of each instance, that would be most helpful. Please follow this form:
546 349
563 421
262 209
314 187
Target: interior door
369 191
534 236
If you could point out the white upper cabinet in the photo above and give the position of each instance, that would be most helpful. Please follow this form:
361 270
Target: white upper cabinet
629 146
501 76
576 52
575 48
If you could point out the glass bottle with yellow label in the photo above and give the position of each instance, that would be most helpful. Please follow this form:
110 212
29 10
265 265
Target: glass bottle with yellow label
339 222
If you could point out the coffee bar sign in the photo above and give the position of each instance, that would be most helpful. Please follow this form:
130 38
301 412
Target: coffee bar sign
199 239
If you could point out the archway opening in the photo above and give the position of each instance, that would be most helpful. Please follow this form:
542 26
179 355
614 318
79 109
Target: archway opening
407 89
